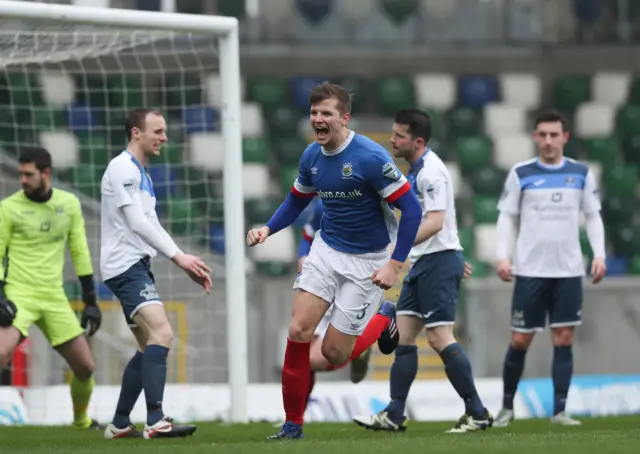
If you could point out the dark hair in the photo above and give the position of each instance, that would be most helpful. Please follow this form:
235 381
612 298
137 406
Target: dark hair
418 121
137 118
39 156
551 116
327 90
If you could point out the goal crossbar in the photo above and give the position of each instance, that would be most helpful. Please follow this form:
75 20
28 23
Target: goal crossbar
226 30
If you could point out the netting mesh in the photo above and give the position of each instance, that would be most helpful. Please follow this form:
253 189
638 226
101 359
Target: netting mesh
68 88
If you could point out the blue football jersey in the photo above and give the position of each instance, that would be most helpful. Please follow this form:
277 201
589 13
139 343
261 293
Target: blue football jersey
357 183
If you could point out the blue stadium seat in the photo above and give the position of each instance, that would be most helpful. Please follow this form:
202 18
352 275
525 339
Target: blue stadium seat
300 88
477 91
616 266
81 117
103 292
216 238
200 119
314 10
165 180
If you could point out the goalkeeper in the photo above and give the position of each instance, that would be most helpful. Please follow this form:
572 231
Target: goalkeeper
35 224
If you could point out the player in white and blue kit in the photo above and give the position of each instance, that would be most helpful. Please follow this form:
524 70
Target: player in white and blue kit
130 236
348 266
429 294
541 205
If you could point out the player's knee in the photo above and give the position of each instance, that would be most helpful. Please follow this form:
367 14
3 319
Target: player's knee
85 369
301 331
161 335
334 354
440 337
562 336
521 341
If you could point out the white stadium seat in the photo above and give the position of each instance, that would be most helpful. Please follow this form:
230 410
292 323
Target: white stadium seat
456 176
57 87
594 120
502 119
213 88
255 180
206 151
509 149
610 88
521 89
63 146
437 91
279 248
356 11
486 240
251 120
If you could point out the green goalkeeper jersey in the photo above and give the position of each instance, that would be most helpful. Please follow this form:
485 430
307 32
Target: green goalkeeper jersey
33 236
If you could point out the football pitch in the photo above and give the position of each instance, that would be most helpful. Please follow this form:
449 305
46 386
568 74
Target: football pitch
619 435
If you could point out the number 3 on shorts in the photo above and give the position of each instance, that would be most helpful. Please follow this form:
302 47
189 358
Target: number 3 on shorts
363 312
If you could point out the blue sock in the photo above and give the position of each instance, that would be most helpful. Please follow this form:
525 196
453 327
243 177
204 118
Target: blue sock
561 371
458 369
403 372
129 392
154 376
511 373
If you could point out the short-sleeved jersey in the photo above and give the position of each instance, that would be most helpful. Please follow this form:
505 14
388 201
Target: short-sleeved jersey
357 182
548 201
33 238
125 182
431 181
313 223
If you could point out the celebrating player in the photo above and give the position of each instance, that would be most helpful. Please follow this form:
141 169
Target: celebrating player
430 291
131 237
348 265
35 225
542 200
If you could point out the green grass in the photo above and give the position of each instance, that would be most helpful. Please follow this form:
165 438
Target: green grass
619 435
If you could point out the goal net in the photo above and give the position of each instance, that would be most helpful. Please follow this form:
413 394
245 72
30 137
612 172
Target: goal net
67 87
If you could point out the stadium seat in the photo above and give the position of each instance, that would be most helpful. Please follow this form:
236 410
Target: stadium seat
503 119
474 152
269 92
511 149
521 90
275 269
94 148
596 170
280 248
485 242
182 215
170 153
358 87
479 269
198 186
180 90
19 89
86 179
233 8
633 267
487 181
467 241
399 10
464 121
288 175
288 151
611 88
259 211
165 180
631 149
435 90
634 92
82 117
456 176
255 180
63 146
605 150
91 90
438 126
57 88
619 210
252 120
300 87
72 290
573 148
206 151
198 119
621 181
314 11
283 122
571 91
628 121
393 93
477 91
485 209
216 238
626 241
126 92
594 120
47 118
255 150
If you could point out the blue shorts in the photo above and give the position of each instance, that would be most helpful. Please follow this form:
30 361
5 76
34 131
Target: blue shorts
135 288
536 298
430 290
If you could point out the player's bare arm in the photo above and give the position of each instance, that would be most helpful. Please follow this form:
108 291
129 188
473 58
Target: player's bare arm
430 226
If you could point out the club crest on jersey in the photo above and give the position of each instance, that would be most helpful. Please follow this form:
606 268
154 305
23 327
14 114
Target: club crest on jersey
556 197
432 191
347 169
390 171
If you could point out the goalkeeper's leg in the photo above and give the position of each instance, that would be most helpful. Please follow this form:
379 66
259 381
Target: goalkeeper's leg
10 338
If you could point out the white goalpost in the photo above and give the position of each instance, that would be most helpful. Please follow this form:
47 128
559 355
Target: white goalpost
62 41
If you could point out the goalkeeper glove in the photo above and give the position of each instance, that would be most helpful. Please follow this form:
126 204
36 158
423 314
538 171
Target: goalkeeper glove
91 316
8 309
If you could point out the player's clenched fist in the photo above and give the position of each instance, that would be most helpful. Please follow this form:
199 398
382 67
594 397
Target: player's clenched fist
387 276
257 236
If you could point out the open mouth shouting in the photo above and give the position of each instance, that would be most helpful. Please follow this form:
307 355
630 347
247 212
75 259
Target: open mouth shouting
322 133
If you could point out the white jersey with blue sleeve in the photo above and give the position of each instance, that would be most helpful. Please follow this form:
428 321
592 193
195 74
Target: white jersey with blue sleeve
357 183
125 182
431 181
548 201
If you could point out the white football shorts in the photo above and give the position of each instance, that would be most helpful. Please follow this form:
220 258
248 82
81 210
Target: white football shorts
344 281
